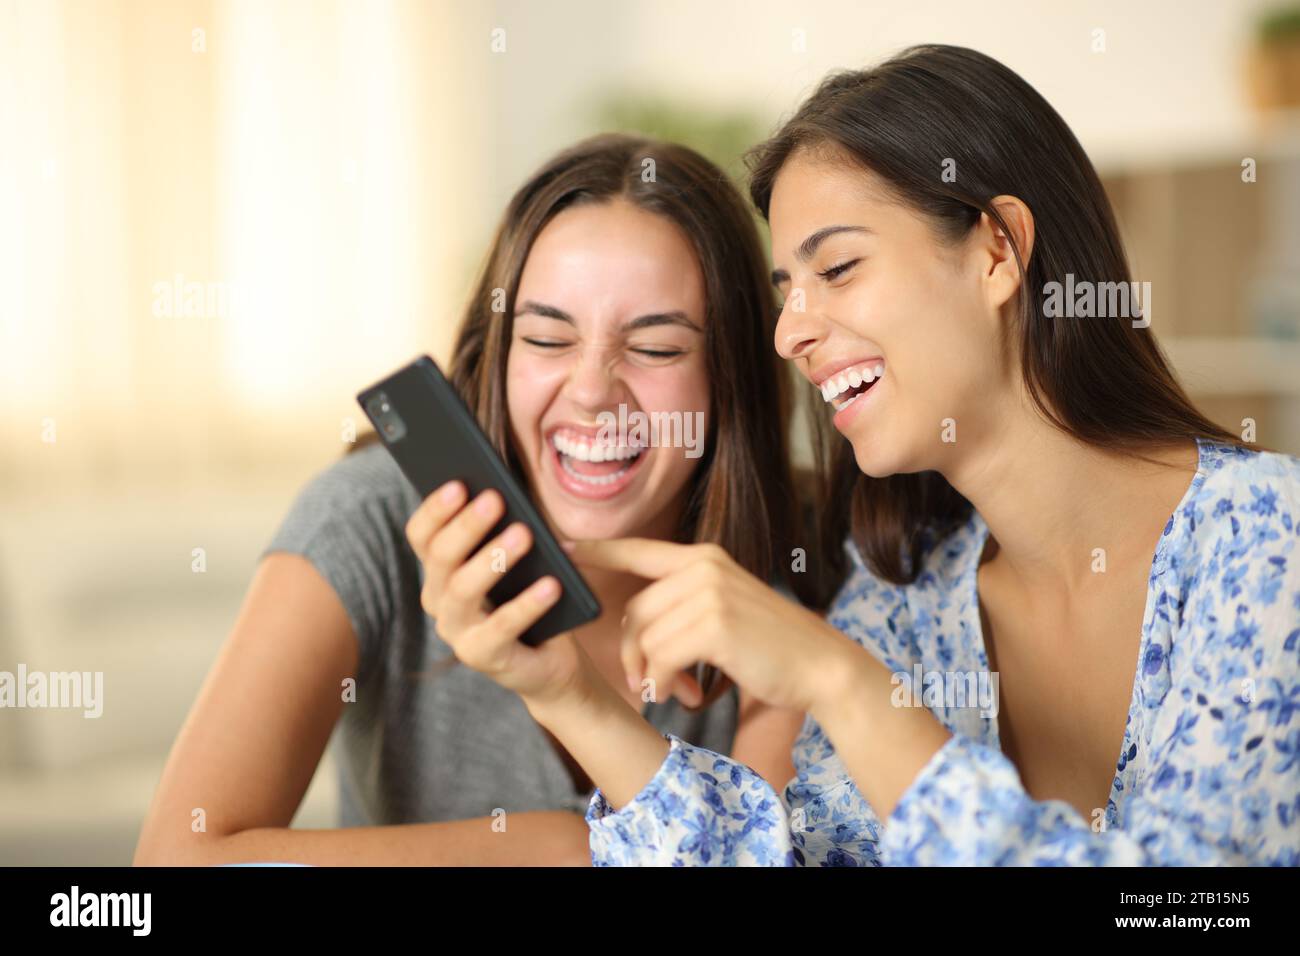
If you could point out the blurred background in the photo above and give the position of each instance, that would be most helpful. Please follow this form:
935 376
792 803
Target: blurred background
219 220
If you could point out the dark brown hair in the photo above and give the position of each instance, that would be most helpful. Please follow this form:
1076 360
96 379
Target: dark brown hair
742 494
1103 382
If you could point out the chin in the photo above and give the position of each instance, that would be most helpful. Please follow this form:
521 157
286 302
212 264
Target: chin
581 524
873 460
575 520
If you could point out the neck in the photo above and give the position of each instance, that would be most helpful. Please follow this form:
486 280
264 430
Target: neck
1050 500
614 589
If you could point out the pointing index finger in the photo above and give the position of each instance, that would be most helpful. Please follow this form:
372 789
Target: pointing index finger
643 557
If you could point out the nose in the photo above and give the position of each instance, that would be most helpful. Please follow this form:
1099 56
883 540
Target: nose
593 380
798 331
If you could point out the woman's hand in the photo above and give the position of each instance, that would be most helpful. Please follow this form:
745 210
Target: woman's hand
445 532
702 606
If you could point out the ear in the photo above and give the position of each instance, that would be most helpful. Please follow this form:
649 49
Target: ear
1002 276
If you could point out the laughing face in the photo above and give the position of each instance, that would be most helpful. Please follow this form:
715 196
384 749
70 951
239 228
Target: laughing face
609 312
895 328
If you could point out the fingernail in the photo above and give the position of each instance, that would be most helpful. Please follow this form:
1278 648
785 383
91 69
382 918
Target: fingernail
514 537
484 503
546 589
567 545
450 492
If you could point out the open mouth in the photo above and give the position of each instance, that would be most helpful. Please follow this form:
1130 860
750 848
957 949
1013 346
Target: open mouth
846 387
592 469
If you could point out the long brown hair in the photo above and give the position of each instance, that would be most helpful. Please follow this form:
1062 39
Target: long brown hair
742 495
1103 382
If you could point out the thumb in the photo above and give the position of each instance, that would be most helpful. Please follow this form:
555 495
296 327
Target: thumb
687 690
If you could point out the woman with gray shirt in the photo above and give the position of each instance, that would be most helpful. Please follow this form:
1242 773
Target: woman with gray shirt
626 279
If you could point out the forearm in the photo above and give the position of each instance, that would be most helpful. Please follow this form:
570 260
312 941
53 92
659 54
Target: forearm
883 747
535 838
609 740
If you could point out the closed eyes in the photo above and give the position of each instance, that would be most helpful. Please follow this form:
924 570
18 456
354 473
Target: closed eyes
838 270
644 352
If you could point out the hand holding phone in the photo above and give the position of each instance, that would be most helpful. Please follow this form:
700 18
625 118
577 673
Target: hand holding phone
446 530
435 440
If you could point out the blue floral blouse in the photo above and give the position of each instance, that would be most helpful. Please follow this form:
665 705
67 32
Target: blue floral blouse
1209 770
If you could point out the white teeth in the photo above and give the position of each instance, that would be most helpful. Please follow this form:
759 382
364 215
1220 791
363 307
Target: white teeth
573 447
590 451
850 378
592 479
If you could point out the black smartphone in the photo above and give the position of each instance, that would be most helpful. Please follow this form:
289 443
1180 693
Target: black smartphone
434 439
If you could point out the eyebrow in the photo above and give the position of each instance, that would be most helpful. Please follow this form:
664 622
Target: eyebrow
650 320
808 248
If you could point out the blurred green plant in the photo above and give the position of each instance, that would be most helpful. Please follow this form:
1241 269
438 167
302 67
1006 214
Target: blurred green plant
720 137
1279 25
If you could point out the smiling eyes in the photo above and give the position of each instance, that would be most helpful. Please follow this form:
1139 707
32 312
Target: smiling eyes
648 354
831 274
837 270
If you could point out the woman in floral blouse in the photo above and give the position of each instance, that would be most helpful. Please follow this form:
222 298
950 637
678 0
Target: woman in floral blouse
1070 626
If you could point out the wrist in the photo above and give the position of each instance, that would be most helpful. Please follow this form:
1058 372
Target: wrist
613 743
579 699
842 685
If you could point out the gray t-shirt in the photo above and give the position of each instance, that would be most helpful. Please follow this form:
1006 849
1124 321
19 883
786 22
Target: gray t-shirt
428 739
